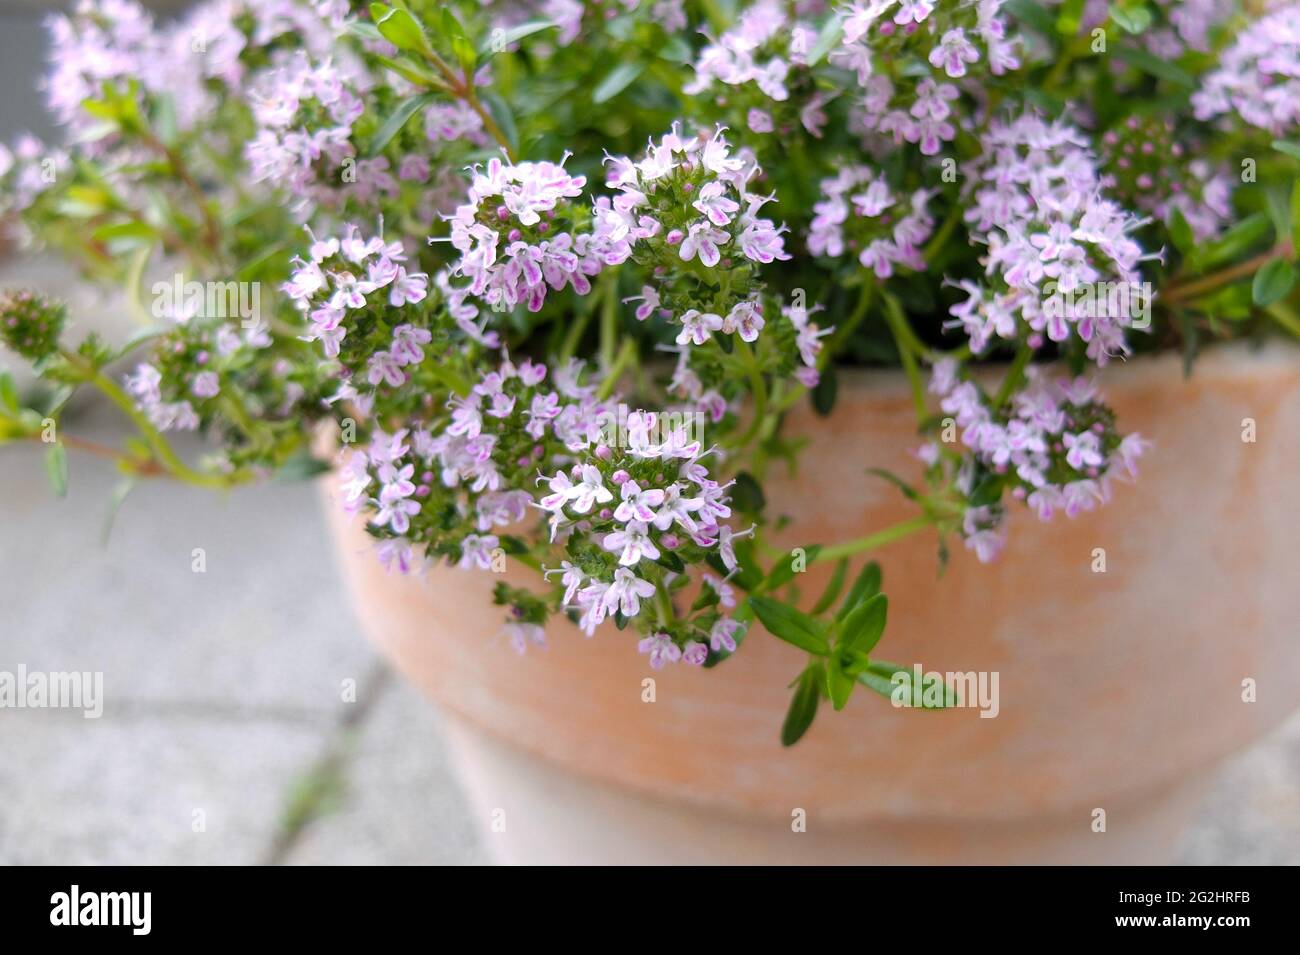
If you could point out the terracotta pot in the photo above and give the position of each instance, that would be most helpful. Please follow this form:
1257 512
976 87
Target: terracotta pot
1118 690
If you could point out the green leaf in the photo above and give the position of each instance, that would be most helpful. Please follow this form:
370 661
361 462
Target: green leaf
880 676
399 118
1033 15
503 115
671 561
866 586
864 626
746 495
1242 237
823 396
499 40
616 80
803 706
301 467
1180 232
56 468
1134 18
790 625
399 28
827 40
1273 282
1286 148
784 570
114 505
877 683
833 588
1295 217
895 480
1154 66
164 119
410 72
8 393
466 55
839 684
125 230
364 30
1069 18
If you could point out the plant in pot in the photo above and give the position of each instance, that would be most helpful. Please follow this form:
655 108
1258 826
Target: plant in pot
652 323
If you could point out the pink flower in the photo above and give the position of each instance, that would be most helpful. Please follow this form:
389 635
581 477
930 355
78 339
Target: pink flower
476 550
661 649
206 384
723 634
694 653
626 593
649 299
519 634
953 53
638 505
407 340
703 239
408 288
714 203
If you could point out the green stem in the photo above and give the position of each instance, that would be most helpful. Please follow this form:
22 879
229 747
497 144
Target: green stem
835 342
1285 316
1181 292
449 377
842 333
872 541
1015 375
940 238
157 443
905 341
758 385
573 336
626 354
608 319
462 87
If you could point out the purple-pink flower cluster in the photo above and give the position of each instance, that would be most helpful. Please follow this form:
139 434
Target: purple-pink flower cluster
860 215
759 67
1258 78
953 39
687 206
1055 444
305 112
521 235
335 287
1060 258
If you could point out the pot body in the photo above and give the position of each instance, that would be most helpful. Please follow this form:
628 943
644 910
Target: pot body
1117 689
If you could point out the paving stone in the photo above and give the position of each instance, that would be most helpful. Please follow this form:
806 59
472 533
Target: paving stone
402 806
266 626
1251 816
124 789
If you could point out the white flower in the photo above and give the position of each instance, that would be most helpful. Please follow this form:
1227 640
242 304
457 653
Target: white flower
698 326
626 592
634 542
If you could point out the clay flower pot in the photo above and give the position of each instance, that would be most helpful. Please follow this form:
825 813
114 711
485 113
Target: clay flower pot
1118 690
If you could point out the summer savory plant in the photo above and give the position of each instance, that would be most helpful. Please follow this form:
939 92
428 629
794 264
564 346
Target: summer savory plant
472 236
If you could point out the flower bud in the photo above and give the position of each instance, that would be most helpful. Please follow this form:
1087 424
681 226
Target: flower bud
31 323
